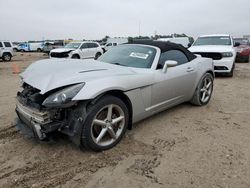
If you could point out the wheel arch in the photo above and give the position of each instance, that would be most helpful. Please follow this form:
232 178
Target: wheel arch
8 53
211 72
121 95
76 54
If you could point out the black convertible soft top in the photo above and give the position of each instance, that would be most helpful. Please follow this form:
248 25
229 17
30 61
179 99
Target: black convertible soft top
166 46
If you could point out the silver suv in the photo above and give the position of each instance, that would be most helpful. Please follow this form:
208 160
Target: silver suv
6 50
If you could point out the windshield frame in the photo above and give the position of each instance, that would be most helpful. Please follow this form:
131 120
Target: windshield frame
154 62
73 43
203 37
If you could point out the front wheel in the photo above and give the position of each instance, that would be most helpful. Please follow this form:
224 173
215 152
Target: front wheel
75 56
247 59
97 55
231 73
203 91
6 57
106 124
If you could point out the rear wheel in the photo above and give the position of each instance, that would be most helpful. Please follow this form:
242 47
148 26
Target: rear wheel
97 55
106 124
203 91
6 57
39 50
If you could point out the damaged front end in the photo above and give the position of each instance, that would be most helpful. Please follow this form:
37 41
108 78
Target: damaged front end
41 115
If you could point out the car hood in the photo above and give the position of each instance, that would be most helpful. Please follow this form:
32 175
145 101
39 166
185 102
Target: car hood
60 50
47 75
211 48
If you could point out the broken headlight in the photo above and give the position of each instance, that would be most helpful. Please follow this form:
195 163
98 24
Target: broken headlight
63 98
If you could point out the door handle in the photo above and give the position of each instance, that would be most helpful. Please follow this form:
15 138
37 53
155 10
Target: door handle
190 69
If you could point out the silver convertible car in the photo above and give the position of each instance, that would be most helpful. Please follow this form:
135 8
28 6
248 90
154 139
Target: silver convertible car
95 101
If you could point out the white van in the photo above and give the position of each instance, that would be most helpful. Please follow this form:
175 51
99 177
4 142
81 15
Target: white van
184 41
112 42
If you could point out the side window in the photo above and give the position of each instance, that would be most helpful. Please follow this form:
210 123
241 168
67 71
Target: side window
92 45
84 46
1 45
109 44
115 44
7 44
175 55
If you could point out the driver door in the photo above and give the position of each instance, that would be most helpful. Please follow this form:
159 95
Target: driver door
174 86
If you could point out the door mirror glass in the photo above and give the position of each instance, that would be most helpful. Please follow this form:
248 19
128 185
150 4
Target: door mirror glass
169 63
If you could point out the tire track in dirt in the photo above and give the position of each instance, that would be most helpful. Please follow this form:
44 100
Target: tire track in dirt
58 170
8 133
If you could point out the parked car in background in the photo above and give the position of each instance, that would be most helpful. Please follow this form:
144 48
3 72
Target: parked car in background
78 50
220 48
94 102
6 50
50 45
243 50
112 42
184 41
30 47
15 46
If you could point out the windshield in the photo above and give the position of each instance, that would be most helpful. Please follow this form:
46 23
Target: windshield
74 45
130 56
218 40
242 41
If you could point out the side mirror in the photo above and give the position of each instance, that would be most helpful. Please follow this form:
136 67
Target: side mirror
236 44
189 45
167 64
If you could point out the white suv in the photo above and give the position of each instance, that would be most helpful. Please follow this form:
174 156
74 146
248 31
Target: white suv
78 50
6 50
218 47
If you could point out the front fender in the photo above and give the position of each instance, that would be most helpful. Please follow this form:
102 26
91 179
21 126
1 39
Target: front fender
124 83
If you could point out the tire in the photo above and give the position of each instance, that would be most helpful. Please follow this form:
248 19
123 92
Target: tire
97 135
39 50
247 60
97 55
75 56
231 73
198 99
22 50
6 57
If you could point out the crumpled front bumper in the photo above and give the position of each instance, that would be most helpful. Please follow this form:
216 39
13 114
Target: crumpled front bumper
34 123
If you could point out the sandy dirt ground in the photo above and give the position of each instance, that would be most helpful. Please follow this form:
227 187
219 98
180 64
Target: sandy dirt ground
186 146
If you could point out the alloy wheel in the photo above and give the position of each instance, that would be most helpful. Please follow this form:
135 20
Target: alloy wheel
108 125
206 89
7 57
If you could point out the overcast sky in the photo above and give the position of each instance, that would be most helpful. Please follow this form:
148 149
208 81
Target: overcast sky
22 20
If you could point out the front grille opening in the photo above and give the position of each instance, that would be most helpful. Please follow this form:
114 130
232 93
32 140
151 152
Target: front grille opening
30 97
59 55
214 56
